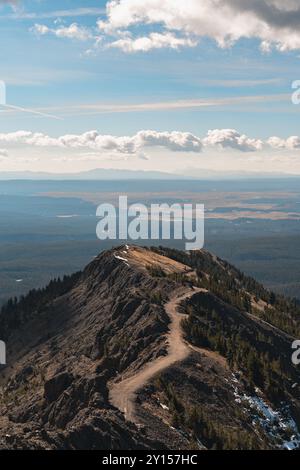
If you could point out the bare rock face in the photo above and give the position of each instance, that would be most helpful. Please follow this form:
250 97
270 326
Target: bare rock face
68 343
55 386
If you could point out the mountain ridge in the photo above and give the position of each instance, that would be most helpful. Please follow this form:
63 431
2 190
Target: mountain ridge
69 344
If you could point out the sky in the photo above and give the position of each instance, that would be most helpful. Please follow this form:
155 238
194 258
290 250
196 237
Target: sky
195 88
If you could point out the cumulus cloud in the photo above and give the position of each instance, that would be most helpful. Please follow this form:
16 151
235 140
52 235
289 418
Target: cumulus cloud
153 41
230 138
15 137
73 31
274 23
291 143
174 141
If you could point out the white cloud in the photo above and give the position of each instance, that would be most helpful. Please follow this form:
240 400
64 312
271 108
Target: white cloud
230 138
174 141
291 143
178 23
73 31
273 22
3 153
15 137
40 29
153 41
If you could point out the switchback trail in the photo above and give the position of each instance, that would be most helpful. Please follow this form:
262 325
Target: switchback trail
123 394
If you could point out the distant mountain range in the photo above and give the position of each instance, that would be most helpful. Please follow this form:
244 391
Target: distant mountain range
101 174
97 174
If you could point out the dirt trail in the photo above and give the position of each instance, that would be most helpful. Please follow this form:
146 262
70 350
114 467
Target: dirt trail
123 394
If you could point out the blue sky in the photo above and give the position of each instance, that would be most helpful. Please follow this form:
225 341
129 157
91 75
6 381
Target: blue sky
97 76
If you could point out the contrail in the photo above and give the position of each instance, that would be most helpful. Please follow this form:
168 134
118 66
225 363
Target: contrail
32 111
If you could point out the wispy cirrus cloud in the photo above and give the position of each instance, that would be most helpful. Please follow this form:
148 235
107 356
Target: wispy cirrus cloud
71 13
12 108
239 83
93 109
12 3
177 105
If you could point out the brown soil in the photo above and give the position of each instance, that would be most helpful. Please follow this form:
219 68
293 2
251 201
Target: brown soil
122 394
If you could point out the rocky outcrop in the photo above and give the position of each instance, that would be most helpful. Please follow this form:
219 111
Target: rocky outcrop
54 387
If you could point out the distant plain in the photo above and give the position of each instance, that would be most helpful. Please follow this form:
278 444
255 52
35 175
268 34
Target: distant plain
48 228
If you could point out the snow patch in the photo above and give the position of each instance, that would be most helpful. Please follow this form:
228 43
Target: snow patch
122 259
164 407
278 424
